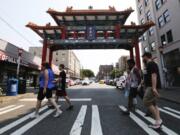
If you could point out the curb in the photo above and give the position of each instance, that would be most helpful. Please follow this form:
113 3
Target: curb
9 99
170 100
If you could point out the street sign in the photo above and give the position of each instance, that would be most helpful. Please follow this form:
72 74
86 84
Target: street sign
91 32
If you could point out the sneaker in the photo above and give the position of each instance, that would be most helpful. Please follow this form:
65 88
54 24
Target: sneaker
70 107
58 113
155 126
35 116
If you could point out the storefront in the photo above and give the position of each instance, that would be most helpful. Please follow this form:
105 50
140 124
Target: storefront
172 64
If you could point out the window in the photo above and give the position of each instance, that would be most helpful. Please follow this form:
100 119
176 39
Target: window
34 53
161 21
56 53
56 60
142 21
146 2
163 40
140 10
153 46
148 14
166 16
63 54
158 4
151 31
169 36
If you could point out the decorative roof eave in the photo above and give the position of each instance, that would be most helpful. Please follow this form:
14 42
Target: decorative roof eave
70 11
146 25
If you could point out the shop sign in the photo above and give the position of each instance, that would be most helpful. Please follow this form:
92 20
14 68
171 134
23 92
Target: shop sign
3 56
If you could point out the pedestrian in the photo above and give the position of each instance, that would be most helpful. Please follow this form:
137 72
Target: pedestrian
134 83
152 84
45 90
61 91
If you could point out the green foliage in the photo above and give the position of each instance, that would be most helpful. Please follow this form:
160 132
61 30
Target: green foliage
87 73
116 73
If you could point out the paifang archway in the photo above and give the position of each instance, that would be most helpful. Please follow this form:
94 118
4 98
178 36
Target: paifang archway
90 29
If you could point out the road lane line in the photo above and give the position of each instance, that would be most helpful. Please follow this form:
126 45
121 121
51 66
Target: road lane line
170 113
19 121
11 109
164 128
143 125
172 110
78 124
95 123
29 125
7 107
72 99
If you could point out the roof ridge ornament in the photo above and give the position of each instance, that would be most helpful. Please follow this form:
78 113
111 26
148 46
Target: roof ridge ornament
112 8
69 9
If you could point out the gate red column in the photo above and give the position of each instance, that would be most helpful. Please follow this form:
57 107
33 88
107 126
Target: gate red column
44 51
50 57
131 53
138 60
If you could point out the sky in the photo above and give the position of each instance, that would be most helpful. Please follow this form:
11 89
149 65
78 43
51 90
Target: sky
17 13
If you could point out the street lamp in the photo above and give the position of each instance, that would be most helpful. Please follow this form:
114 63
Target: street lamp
20 51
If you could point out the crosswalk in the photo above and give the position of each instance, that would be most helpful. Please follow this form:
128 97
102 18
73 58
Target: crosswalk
25 123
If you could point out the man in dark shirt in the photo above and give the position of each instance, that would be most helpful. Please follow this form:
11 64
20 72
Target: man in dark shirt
152 83
61 91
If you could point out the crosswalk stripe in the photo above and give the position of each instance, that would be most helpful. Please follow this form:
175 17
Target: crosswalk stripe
72 99
95 124
77 127
29 125
172 110
143 125
11 109
164 128
170 113
19 121
7 107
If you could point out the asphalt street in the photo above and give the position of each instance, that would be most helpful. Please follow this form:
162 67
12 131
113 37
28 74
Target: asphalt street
97 111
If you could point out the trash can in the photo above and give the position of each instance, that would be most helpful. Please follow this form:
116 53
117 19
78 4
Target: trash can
22 86
12 87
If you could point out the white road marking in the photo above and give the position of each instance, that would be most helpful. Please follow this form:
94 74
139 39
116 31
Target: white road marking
29 125
19 121
11 109
77 126
72 99
164 128
143 125
170 113
7 107
172 110
95 123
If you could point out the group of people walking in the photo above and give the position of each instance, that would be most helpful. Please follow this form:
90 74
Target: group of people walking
145 84
47 84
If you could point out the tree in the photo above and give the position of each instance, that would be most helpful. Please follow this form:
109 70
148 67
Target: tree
116 73
87 73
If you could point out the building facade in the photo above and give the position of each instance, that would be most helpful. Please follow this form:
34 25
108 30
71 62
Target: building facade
163 39
104 72
123 62
66 57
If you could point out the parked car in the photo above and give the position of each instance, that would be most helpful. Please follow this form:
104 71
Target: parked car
121 83
86 81
77 81
101 82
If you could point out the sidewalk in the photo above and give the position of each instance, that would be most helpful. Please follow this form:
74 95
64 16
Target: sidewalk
10 99
171 94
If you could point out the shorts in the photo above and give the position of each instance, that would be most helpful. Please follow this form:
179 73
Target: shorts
61 92
149 98
41 95
133 92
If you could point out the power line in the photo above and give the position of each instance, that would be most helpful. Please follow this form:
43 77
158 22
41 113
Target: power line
11 27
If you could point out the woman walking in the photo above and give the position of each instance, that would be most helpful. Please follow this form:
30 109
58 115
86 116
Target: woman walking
45 90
